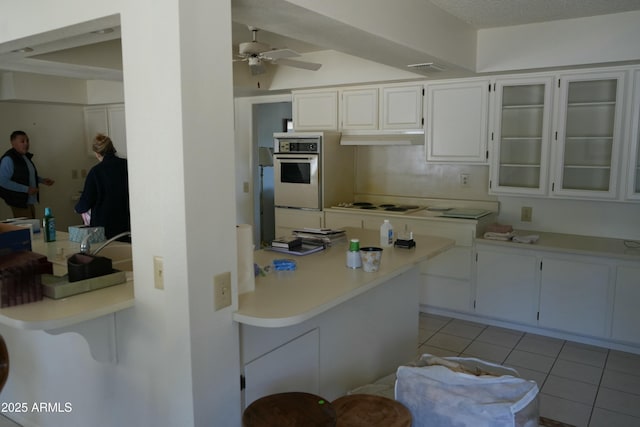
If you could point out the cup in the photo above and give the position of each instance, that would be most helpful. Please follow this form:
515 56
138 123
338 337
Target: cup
370 256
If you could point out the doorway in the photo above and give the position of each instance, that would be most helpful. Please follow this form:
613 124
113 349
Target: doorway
267 119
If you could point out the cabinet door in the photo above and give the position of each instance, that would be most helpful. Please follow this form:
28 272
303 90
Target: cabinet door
359 109
507 285
294 366
118 128
315 110
457 121
574 296
633 176
626 316
401 107
588 133
446 280
520 136
96 121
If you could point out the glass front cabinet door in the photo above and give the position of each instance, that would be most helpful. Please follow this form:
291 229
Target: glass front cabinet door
588 135
633 180
521 111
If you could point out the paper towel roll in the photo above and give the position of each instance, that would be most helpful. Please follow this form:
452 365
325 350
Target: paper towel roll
246 277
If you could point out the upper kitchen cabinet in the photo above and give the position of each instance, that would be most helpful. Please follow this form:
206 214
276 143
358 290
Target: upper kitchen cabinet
633 177
588 135
108 120
382 108
401 107
521 112
315 110
457 121
359 109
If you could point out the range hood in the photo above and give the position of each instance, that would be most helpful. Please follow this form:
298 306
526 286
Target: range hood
413 137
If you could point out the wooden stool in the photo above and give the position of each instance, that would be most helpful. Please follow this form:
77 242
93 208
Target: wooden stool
293 409
366 410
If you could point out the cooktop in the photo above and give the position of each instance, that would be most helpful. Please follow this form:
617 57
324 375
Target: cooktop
389 207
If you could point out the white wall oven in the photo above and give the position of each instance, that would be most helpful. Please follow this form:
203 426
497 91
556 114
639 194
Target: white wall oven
297 168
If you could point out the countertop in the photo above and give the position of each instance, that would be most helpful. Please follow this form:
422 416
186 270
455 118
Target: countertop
49 314
572 244
322 280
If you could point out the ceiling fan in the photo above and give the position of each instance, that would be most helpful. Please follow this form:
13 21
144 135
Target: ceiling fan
256 53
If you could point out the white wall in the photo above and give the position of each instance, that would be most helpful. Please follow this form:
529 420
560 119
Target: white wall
569 42
178 359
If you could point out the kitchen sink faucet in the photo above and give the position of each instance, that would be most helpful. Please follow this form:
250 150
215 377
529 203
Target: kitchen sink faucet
85 246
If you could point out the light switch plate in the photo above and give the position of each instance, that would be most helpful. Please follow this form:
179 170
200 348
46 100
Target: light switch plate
158 272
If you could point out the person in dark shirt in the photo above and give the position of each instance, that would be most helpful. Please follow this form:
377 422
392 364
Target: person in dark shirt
19 178
106 190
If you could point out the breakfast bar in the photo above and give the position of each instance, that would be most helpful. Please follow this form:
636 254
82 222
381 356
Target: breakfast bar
325 328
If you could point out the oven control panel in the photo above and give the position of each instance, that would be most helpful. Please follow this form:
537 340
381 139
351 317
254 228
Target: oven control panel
297 145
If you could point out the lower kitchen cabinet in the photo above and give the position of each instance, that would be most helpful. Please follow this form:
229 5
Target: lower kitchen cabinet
626 316
287 220
574 296
507 285
555 291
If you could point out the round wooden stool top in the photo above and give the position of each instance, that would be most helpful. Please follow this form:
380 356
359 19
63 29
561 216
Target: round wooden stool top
295 409
366 410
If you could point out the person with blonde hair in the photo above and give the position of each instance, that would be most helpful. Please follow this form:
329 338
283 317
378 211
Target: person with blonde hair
106 190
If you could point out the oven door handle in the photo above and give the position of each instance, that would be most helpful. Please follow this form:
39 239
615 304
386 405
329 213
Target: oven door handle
296 158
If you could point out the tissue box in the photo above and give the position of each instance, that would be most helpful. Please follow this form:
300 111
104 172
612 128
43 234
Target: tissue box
78 232
14 239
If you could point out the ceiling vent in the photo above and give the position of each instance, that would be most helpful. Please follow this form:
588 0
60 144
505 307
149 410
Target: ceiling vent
427 67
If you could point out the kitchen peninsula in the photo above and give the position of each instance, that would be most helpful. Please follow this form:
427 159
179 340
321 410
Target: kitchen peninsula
325 328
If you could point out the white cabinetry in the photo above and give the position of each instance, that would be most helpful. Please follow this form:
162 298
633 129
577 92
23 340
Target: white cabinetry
589 134
633 176
268 375
401 107
560 292
109 120
507 285
574 296
315 110
446 279
359 109
287 220
626 316
382 108
521 112
457 121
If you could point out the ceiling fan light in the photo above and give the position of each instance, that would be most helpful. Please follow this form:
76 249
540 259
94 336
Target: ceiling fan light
254 60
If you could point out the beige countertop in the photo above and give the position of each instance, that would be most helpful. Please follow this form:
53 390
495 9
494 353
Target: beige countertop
322 280
49 314
574 244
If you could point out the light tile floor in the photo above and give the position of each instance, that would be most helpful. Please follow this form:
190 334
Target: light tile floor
582 385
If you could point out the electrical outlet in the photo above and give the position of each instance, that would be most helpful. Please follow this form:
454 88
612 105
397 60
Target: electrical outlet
245 186
221 290
158 272
464 179
74 173
526 214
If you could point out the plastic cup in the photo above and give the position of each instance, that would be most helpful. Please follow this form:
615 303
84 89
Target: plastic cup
370 258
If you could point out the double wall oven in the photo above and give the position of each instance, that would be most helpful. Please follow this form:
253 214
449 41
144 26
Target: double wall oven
308 167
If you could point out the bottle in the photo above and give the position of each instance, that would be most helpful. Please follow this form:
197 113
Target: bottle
49 226
353 254
386 234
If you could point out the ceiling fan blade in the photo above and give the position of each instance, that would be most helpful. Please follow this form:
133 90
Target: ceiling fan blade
299 64
272 55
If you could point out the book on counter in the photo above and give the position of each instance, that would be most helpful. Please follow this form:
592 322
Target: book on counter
287 242
320 236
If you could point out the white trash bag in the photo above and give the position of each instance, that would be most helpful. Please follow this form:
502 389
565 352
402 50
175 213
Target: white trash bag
466 392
